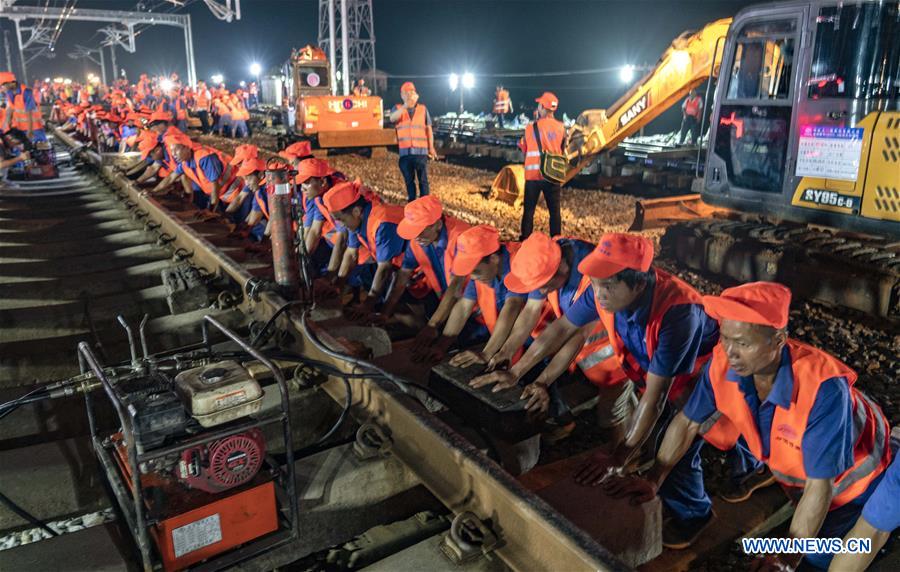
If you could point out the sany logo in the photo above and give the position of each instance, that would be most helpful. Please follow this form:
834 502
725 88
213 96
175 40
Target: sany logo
636 109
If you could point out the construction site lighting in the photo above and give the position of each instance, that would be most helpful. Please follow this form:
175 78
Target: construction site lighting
243 83
217 78
255 69
166 84
626 74
454 82
468 80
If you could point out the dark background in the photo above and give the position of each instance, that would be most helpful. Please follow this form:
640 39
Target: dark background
421 37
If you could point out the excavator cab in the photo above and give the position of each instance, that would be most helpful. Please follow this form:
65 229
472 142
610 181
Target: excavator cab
806 120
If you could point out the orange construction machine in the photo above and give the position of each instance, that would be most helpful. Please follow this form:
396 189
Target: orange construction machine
331 120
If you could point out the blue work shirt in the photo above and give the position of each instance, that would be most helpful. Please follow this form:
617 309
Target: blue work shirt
27 95
128 130
311 212
882 510
388 243
580 250
501 293
435 253
827 442
210 165
685 334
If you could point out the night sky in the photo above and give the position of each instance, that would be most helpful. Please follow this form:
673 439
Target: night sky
425 37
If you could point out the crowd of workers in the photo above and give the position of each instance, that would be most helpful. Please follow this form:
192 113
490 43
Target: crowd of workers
673 369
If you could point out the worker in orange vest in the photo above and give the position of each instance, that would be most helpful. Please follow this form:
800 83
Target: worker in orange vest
316 177
547 135
661 337
546 269
415 140
360 89
432 236
502 104
691 111
22 111
483 261
797 408
371 224
202 101
207 169
253 95
239 116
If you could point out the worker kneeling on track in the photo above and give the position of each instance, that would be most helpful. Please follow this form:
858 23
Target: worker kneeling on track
208 173
368 223
252 172
660 337
431 250
796 406
316 177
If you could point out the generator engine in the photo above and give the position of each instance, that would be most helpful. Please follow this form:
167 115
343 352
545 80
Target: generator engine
224 464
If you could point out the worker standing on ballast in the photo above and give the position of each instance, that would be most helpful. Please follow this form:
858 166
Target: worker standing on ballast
415 140
691 111
552 140
22 112
502 104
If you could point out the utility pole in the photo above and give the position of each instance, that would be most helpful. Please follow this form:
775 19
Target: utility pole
6 49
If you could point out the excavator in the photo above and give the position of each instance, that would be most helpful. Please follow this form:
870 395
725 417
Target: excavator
802 177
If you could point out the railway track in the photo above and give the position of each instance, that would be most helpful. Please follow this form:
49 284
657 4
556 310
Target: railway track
83 250
78 252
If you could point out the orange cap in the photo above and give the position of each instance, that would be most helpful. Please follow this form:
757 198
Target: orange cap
244 152
312 168
341 196
408 86
418 215
299 149
473 245
548 100
616 252
6 77
534 264
251 165
765 303
160 116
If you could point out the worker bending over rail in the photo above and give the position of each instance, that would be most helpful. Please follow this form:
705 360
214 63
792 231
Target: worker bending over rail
796 406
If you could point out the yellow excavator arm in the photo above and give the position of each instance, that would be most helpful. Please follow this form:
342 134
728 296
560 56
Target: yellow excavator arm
688 62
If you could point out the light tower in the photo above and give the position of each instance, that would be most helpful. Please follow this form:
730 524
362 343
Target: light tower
347 34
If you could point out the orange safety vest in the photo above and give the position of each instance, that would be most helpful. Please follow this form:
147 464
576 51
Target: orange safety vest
381 213
454 227
180 109
411 133
20 115
502 104
197 175
669 291
692 106
553 133
596 359
811 367
201 99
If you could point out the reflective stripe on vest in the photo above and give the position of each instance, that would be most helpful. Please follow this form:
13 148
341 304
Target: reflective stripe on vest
552 134
20 115
412 136
810 367
669 291
454 228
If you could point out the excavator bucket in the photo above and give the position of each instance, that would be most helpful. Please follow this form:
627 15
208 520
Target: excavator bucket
509 185
660 213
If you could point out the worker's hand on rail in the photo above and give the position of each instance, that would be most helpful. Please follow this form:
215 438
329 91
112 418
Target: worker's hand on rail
538 398
500 360
361 311
325 289
639 489
468 358
597 470
434 352
425 338
500 379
